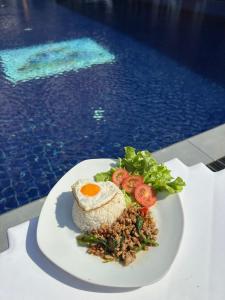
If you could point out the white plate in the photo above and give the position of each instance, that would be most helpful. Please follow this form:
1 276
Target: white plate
56 236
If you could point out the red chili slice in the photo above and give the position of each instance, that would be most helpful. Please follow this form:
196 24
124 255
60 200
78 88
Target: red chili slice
119 175
131 182
144 210
145 195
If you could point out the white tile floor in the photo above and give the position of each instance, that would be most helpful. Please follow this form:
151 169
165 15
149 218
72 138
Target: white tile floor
185 151
211 142
205 147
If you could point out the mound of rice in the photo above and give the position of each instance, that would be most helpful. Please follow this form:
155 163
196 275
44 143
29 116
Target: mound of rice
106 214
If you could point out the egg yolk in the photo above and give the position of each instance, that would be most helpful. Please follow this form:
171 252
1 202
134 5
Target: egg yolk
90 189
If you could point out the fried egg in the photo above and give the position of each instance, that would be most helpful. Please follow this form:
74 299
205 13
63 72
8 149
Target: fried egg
90 194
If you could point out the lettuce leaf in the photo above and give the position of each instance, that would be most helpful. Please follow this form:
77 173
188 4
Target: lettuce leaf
143 163
104 176
130 201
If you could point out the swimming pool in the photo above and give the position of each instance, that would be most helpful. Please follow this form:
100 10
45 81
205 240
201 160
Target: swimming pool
163 81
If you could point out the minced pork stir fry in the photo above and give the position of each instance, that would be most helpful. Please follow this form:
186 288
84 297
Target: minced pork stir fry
133 231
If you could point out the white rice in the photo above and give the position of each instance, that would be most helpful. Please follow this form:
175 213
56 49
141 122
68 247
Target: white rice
106 214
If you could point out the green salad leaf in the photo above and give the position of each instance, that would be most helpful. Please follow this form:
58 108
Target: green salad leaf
105 176
130 201
143 163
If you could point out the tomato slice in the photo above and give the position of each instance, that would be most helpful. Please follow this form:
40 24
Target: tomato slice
131 182
145 195
119 175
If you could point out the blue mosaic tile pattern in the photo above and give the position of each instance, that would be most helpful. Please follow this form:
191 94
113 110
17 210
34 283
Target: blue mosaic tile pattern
53 58
148 98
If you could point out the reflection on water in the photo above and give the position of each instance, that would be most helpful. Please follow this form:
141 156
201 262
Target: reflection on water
55 58
192 32
26 10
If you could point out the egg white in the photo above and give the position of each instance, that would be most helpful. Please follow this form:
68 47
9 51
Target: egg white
107 191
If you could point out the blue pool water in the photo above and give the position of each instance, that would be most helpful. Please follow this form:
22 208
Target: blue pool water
166 83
